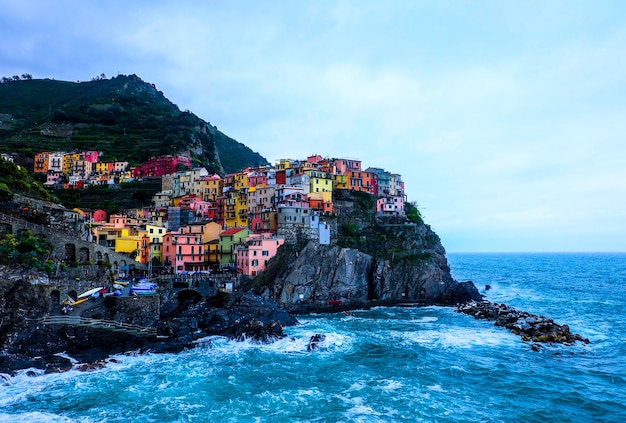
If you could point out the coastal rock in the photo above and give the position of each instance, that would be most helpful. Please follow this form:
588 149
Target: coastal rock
315 341
530 327
25 342
332 278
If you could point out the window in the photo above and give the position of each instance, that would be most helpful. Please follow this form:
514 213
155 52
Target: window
267 253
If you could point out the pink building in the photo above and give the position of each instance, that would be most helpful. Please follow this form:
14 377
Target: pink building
344 166
183 252
203 210
257 177
390 206
315 159
259 249
90 156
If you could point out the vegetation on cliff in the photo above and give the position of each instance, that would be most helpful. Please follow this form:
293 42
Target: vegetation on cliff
27 250
17 180
127 195
387 238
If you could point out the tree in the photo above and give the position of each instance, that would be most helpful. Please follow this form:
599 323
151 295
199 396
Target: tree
5 193
413 213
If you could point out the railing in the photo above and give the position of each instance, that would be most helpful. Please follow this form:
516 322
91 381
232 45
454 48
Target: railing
99 324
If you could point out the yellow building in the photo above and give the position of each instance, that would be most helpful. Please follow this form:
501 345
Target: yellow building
340 182
68 161
155 234
210 187
283 164
321 182
129 242
230 214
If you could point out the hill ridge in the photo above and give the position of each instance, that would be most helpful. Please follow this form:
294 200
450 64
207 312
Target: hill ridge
124 117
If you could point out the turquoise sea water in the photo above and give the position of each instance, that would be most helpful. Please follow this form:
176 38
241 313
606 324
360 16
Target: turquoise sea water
382 365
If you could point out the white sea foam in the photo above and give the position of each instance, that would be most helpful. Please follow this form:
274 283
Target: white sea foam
451 338
436 388
36 417
426 319
390 386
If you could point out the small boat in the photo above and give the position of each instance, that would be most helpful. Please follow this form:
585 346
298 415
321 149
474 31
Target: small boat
143 292
143 287
69 300
80 301
90 292
118 286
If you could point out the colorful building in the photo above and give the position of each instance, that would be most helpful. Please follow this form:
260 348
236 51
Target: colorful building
229 240
160 166
253 257
183 252
390 206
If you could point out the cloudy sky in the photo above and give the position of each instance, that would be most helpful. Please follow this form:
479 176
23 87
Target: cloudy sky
506 119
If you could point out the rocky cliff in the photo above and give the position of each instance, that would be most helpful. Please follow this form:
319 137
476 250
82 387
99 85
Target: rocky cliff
375 261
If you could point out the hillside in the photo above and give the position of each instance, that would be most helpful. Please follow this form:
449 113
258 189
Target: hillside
124 118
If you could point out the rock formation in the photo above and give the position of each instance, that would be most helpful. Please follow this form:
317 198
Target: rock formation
331 277
530 327
26 342
373 260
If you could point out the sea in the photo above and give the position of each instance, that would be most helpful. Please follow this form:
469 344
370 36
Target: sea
397 364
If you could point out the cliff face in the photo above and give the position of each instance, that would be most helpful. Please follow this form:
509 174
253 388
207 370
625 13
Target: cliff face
374 261
319 277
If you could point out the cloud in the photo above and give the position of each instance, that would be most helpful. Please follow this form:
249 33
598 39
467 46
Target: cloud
505 119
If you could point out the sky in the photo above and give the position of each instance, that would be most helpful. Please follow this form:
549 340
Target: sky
506 119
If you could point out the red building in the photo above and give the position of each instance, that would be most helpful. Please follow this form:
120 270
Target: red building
160 166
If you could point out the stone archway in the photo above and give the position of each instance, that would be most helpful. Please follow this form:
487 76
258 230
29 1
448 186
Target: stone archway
83 255
70 253
55 297
73 294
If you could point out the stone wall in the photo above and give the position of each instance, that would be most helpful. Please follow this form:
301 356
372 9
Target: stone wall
142 310
68 247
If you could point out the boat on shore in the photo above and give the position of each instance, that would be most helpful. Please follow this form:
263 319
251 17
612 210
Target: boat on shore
90 292
143 287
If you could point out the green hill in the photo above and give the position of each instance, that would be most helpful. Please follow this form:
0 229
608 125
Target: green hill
124 118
